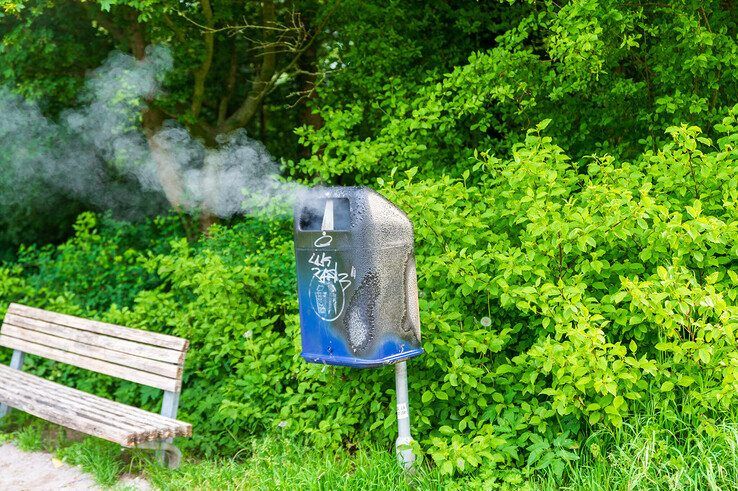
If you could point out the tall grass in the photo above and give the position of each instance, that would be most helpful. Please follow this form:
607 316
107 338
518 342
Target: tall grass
655 451
29 438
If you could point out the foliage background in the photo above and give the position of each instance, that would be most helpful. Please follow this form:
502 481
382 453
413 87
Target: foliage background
587 151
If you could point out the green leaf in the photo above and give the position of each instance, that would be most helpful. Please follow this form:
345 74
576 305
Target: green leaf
685 380
543 124
446 430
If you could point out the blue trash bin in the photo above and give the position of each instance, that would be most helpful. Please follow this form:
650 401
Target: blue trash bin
357 284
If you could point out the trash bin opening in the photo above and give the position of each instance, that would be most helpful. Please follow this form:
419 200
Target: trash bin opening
314 211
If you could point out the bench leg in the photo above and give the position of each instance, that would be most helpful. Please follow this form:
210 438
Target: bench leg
165 456
17 363
169 407
171 456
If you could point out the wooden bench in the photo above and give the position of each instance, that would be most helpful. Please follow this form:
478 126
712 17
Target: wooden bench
143 357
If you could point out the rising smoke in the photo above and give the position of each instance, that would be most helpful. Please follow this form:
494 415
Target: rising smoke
98 153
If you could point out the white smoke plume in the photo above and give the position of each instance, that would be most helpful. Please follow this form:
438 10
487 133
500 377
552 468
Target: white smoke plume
98 154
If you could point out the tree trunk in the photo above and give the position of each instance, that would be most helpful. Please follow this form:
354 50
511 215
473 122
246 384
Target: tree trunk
230 85
138 37
308 79
168 171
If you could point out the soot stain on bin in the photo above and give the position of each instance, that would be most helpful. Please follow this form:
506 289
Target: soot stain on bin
410 316
405 323
359 322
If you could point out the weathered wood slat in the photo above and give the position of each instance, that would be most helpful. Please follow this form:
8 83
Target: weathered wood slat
135 432
101 409
30 380
85 412
99 366
95 352
122 345
113 330
72 410
38 407
91 423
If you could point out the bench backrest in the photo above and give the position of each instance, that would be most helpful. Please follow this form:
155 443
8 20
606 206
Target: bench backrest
139 356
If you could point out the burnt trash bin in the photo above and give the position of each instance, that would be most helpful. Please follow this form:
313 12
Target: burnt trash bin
357 283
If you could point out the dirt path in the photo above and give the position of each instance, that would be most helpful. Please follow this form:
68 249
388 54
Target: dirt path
39 471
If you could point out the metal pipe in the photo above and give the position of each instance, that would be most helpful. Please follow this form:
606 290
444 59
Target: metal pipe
404 452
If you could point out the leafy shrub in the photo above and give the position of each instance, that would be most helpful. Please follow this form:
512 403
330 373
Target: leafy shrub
606 284
113 258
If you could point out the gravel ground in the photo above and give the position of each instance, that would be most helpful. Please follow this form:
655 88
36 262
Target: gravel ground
39 471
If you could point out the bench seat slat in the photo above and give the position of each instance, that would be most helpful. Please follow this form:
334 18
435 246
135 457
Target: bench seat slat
165 355
85 412
95 352
36 406
63 417
113 330
119 415
71 410
104 367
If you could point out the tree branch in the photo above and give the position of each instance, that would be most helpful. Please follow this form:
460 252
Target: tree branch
230 86
201 74
248 109
268 74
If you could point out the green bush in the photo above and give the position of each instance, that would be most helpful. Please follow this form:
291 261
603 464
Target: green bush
580 291
609 74
606 284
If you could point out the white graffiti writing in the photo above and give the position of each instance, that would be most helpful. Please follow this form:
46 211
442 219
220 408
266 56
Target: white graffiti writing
325 270
323 241
327 285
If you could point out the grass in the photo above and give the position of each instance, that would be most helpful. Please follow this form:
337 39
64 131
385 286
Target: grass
276 463
652 452
266 464
100 458
29 438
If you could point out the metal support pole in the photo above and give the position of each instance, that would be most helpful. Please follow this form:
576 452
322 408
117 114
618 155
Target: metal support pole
404 452
16 363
